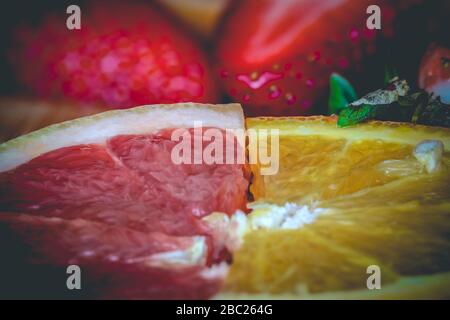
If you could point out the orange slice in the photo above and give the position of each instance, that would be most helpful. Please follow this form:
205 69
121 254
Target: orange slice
374 202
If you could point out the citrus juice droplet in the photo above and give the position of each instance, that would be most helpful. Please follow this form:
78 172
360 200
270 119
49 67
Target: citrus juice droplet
257 82
274 92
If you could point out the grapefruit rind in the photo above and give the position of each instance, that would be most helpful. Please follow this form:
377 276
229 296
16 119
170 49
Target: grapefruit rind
429 286
98 128
398 132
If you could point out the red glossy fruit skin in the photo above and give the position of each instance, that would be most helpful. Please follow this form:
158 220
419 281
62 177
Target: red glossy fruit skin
123 56
276 56
434 74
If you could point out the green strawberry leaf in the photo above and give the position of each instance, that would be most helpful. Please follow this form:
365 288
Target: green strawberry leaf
394 102
432 113
390 73
421 100
355 114
341 94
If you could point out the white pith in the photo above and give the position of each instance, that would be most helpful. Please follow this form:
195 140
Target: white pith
100 127
429 154
195 254
229 231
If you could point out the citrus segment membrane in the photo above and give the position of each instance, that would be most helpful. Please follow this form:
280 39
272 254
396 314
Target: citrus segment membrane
116 262
132 181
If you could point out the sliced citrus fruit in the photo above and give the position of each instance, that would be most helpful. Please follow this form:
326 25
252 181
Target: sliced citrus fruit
104 193
345 200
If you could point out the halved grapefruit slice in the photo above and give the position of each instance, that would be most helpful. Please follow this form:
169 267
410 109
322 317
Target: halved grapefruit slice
103 192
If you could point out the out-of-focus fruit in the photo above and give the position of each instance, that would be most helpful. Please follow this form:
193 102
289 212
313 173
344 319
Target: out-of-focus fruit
434 74
20 115
124 55
202 15
275 57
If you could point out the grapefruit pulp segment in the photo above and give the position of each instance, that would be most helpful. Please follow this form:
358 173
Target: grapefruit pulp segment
117 203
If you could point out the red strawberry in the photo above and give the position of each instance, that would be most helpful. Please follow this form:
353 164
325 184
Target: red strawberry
124 55
434 74
276 56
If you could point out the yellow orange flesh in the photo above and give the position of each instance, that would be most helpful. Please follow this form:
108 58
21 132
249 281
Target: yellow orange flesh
382 208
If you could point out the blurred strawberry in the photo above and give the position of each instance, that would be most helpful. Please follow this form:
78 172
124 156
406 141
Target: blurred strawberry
276 56
434 74
124 55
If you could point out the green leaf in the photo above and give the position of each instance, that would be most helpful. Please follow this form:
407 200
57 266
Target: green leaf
406 101
356 114
389 74
341 94
434 113
420 101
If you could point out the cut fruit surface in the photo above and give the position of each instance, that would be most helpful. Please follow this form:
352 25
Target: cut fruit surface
117 201
103 192
378 206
